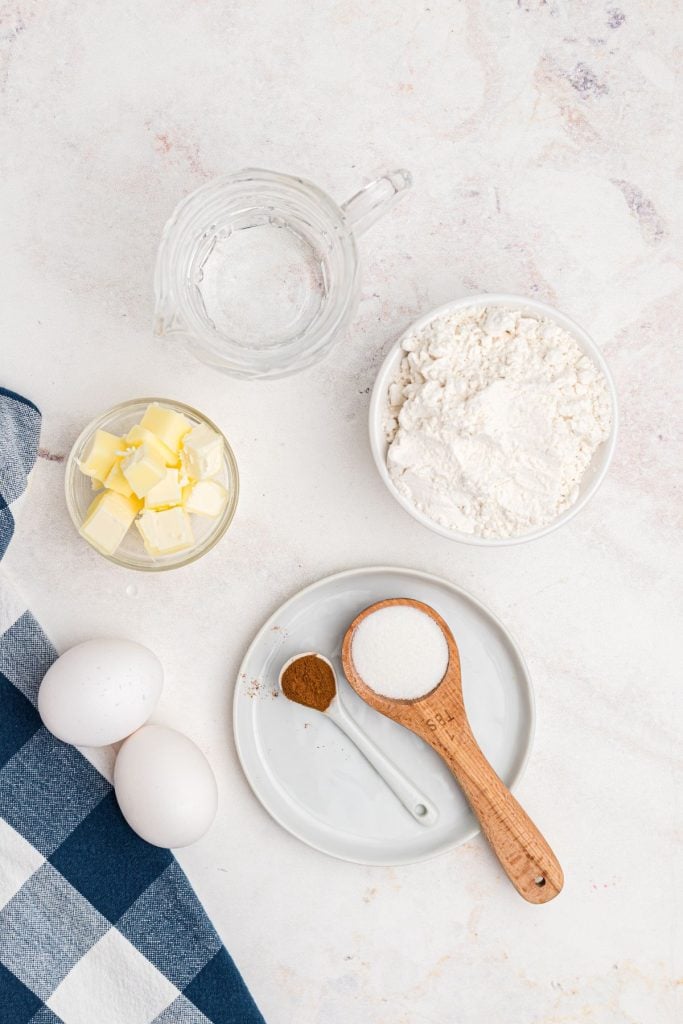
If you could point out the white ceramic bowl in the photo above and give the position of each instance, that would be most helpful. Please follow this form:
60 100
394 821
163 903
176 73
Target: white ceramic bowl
595 473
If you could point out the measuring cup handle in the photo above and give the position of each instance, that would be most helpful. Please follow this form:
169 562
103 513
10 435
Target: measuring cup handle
372 202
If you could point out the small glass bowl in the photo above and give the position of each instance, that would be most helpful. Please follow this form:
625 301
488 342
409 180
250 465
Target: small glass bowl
131 552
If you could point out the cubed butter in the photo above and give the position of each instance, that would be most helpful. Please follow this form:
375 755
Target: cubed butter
116 481
202 453
139 434
166 532
102 454
205 498
169 426
143 468
166 493
108 520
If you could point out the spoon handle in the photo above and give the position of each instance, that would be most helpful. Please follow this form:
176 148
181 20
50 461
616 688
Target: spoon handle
524 855
419 806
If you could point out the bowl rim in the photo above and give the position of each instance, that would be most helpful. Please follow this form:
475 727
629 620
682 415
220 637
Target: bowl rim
378 445
193 555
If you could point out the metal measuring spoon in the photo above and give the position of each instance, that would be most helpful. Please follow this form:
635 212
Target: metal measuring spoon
439 717
419 806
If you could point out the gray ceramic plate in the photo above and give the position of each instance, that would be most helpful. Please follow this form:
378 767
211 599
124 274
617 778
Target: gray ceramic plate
312 780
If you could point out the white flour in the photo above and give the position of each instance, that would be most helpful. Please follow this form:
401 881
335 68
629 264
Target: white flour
492 421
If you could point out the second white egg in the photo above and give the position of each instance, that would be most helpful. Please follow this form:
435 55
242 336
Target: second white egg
165 786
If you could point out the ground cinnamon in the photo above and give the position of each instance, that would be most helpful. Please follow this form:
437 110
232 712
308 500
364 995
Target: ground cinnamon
309 681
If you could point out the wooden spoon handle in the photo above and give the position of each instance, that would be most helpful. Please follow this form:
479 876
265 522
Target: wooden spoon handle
525 856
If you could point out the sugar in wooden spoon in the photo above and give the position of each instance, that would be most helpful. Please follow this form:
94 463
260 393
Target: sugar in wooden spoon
402 659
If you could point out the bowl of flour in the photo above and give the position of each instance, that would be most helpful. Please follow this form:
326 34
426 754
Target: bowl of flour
493 419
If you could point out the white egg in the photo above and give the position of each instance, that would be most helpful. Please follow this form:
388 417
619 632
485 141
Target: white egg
165 787
100 691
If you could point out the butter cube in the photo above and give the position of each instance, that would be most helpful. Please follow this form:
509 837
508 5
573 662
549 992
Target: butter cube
116 481
137 435
202 453
205 498
102 454
169 426
164 533
143 468
166 493
107 521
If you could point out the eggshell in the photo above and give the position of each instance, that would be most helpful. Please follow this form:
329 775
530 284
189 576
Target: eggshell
100 691
165 787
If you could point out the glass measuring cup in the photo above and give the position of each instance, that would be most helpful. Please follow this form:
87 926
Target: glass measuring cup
258 271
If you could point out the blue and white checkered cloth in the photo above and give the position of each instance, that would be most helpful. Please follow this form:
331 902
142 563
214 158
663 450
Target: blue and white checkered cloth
96 926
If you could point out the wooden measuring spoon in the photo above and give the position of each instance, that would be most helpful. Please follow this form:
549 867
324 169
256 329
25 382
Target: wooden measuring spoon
439 718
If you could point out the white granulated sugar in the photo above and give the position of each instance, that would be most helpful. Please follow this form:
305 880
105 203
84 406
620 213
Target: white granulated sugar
399 652
492 421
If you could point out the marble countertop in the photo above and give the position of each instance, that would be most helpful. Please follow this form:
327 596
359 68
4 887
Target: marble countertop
541 139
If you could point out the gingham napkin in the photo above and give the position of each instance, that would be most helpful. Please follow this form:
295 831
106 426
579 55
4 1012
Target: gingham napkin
96 926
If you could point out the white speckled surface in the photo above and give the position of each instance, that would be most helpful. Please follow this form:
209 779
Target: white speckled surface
540 135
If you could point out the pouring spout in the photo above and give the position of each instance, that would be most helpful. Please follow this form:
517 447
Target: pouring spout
167 320
372 202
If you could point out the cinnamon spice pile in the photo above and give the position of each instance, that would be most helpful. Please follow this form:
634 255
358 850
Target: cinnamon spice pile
309 681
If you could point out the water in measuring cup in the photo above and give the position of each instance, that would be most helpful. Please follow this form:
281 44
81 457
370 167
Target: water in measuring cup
260 283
